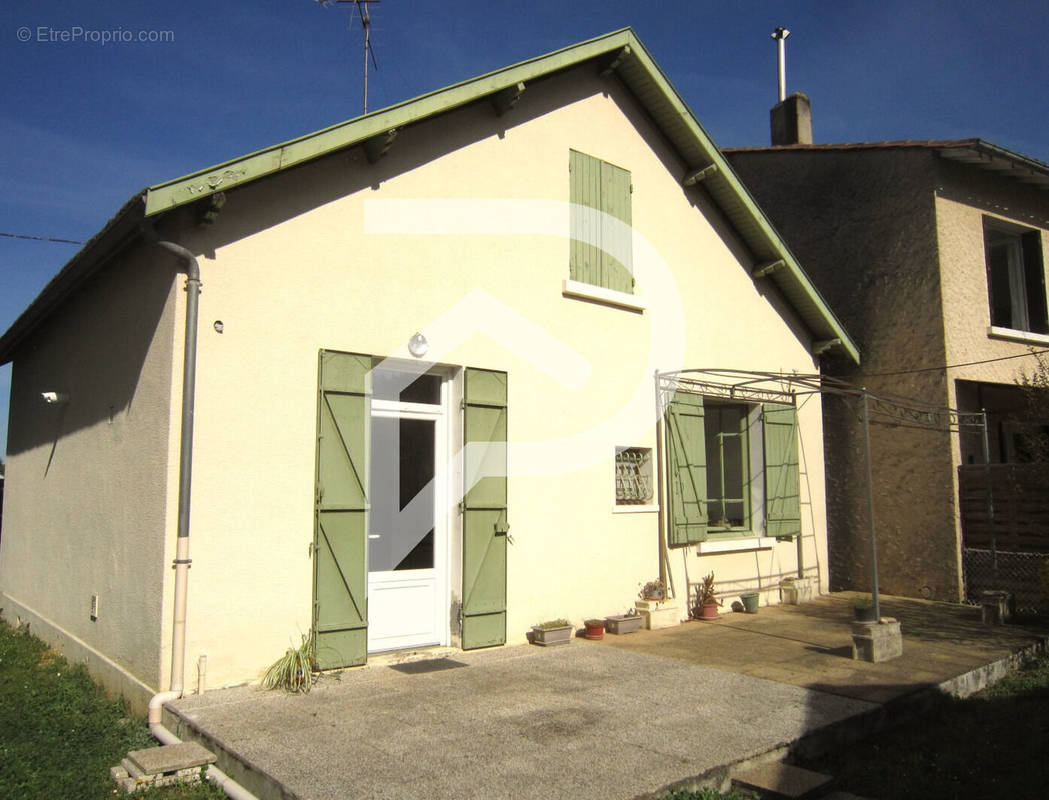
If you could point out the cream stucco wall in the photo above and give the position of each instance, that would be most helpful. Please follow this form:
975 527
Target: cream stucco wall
86 505
290 270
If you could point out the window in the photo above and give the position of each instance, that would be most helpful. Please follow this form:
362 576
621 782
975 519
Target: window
600 223
732 469
728 473
634 476
1015 278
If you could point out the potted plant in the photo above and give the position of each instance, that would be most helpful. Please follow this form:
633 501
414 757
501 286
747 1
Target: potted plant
552 632
863 610
654 591
624 623
706 606
750 602
595 628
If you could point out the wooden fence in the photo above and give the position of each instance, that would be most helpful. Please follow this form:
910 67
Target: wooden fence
1021 506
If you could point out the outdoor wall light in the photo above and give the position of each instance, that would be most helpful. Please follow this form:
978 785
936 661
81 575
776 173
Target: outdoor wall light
54 398
418 346
219 326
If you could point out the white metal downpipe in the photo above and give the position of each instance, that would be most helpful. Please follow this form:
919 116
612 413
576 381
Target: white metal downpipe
182 560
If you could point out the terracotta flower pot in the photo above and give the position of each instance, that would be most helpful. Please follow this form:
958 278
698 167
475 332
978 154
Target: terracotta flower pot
595 628
708 611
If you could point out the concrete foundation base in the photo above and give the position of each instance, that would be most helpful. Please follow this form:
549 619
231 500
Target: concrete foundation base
877 641
657 614
996 607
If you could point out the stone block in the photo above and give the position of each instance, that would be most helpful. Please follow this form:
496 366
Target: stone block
170 758
795 591
657 614
775 779
996 607
877 641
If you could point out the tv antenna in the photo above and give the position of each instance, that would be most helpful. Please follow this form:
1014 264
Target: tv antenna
366 23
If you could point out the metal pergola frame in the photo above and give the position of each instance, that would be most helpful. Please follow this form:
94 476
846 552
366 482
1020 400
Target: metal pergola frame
874 408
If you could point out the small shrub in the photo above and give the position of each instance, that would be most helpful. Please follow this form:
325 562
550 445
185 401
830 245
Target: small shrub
554 623
293 671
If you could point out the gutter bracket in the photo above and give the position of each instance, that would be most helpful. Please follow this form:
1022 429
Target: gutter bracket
767 269
378 146
506 99
699 175
613 65
823 345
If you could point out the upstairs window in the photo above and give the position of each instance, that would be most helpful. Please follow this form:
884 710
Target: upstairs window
1015 278
600 246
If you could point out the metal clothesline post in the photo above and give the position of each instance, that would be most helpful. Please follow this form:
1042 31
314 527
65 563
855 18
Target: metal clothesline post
875 602
990 500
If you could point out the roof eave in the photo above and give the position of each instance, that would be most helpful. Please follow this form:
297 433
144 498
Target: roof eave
620 51
72 276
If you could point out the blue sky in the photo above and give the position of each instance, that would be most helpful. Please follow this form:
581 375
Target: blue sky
85 125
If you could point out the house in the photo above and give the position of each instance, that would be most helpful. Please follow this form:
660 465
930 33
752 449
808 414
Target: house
933 253
406 394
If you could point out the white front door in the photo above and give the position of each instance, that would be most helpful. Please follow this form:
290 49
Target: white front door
408 531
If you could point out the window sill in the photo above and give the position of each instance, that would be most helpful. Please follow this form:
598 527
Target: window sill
735 545
609 297
632 509
1017 336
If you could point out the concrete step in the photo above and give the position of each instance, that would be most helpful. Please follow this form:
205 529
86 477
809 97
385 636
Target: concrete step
778 780
160 766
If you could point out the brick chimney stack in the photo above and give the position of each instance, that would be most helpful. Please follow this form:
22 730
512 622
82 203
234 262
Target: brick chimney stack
792 120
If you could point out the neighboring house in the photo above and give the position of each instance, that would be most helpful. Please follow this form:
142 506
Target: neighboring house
933 254
379 314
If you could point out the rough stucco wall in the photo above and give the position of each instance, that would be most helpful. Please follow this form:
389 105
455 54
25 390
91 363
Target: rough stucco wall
290 270
862 223
85 509
965 196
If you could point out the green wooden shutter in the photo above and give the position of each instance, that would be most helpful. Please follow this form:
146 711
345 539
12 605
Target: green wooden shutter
598 187
615 201
585 194
686 469
484 510
782 483
340 605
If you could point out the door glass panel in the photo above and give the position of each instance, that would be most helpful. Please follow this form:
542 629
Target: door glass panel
401 532
391 385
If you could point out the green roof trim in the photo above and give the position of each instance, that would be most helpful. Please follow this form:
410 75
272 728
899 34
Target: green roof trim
620 53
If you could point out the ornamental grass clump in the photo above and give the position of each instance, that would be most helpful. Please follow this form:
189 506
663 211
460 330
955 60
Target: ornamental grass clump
292 672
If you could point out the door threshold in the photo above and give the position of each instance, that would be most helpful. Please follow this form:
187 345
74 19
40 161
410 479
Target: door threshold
385 658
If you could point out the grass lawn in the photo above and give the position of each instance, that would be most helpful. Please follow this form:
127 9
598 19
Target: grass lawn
59 734
993 744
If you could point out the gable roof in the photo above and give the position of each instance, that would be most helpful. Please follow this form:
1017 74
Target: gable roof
974 152
620 52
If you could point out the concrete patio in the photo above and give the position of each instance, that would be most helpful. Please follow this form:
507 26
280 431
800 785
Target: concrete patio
625 717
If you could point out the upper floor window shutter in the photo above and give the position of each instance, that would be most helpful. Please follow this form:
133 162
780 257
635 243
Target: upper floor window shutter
782 479
600 247
686 470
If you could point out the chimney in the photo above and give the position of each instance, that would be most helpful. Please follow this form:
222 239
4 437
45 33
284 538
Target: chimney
792 120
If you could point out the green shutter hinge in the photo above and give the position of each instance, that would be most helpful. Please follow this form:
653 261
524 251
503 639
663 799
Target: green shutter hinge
462 506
